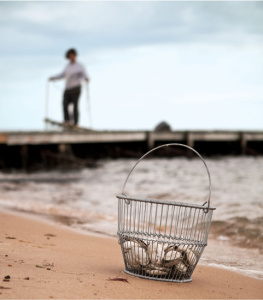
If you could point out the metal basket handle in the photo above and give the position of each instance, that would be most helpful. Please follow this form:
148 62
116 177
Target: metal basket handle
206 209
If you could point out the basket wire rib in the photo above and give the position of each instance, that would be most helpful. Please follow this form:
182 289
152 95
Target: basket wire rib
162 240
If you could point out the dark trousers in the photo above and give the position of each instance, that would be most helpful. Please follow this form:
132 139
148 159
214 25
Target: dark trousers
71 96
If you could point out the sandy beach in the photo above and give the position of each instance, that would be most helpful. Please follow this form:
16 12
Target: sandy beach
49 261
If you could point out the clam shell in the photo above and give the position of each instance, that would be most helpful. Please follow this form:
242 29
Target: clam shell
140 255
154 267
130 261
154 270
135 255
181 267
127 245
191 257
171 258
181 248
156 253
172 255
138 242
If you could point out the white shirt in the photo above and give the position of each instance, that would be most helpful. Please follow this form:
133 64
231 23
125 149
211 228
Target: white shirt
74 73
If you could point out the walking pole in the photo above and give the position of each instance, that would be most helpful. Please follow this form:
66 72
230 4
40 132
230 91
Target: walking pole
47 96
88 104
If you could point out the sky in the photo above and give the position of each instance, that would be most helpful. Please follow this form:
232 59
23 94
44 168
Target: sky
195 65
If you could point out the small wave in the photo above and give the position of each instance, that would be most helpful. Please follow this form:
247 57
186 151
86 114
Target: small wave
251 273
242 232
50 180
223 238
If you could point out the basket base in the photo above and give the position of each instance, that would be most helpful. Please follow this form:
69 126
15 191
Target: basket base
156 278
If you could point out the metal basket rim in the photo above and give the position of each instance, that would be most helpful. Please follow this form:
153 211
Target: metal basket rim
152 200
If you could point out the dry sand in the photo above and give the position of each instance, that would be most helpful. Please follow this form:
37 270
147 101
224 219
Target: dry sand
48 261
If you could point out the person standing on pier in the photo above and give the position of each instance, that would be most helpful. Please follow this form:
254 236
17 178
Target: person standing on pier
74 74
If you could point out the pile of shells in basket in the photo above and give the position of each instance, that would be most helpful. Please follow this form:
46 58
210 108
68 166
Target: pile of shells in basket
160 259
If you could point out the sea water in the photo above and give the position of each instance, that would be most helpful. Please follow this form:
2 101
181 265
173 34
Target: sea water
86 199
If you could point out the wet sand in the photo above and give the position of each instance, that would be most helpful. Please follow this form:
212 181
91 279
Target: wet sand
46 261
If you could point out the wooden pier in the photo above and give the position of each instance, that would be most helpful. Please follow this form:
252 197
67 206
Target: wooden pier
149 137
97 144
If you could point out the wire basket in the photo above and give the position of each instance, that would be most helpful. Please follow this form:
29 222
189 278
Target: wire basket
162 240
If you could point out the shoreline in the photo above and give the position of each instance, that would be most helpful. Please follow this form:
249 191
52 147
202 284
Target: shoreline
47 260
208 257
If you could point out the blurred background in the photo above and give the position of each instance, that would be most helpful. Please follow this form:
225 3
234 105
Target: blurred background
196 65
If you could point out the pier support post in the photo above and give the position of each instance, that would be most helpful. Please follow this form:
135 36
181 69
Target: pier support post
64 149
190 142
243 143
24 156
150 140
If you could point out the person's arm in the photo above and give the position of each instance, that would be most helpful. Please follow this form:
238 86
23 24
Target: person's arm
59 76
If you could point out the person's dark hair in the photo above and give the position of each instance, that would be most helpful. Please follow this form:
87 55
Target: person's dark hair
72 50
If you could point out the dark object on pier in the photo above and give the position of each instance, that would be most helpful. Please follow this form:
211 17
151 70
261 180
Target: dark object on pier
163 126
